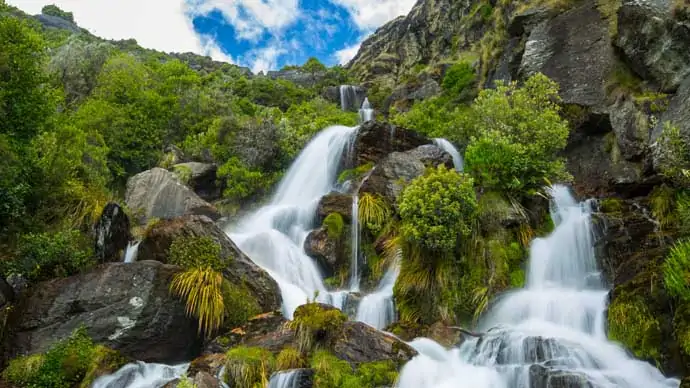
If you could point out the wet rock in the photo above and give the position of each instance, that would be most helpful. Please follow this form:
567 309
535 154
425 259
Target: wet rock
360 342
112 234
375 140
574 49
298 378
653 43
631 127
269 330
240 269
202 179
432 156
354 96
351 304
543 377
210 363
678 113
390 176
6 292
158 193
126 307
334 203
328 252
18 283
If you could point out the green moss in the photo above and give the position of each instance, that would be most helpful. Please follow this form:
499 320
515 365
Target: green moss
240 304
249 367
662 201
517 278
355 173
609 9
331 372
103 361
186 382
493 211
334 225
611 205
655 102
183 173
290 358
632 324
195 252
22 371
316 325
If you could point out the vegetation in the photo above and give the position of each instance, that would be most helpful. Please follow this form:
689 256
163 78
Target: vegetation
249 367
631 323
331 372
334 225
316 326
675 163
676 271
290 358
373 211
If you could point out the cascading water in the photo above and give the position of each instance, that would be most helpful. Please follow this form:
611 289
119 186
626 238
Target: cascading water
131 251
354 245
348 97
141 375
549 334
273 237
286 379
377 309
450 148
366 112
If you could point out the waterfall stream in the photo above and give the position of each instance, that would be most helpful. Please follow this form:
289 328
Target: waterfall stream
354 245
454 153
366 112
550 333
131 252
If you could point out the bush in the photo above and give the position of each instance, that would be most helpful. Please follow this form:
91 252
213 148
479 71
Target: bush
676 269
334 225
316 325
43 256
241 182
331 372
458 79
249 367
438 208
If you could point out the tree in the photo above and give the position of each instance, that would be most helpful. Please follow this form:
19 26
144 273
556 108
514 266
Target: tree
313 66
54 10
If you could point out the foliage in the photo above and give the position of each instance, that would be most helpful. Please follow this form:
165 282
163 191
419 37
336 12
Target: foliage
611 205
240 304
195 252
290 358
334 225
331 372
241 183
631 323
438 208
434 117
42 256
519 134
458 79
54 10
249 367
316 325
183 173
675 161
676 271
355 173
313 66
186 382
373 211
201 288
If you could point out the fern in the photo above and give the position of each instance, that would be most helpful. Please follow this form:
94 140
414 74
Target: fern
201 288
373 211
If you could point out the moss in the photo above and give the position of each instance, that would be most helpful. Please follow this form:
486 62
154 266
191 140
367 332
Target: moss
355 173
611 205
185 382
517 278
290 358
632 324
240 304
653 101
662 201
493 211
249 367
183 173
21 371
609 9
331 372
104 361
622 80
195 252
334 225
316 325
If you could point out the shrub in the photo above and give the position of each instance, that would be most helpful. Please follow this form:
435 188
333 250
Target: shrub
334 225
373 211
675 155
676 269
42 256
331 372
290 358
438 208
248 367
316 325
242 183
458 78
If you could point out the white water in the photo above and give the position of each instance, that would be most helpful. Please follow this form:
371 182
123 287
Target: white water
348 97
354 245
378 309
555 324
141 375
131 252
286 379
366 112
273 237
450 148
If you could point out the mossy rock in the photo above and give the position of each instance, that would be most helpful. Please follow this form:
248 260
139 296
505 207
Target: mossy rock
317 324
105 361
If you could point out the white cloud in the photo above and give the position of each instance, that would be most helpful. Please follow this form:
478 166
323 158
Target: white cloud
347 53
157 24
371 14
266 58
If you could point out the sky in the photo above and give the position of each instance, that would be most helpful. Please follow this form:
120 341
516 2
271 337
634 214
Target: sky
260 34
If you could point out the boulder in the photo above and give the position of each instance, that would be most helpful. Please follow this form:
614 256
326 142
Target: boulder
240 269
359 342
209 363
678 113
574 49
126 307
328 252
631 128
112 234
544 377
202 179
158 193
375 140
653 43
390 176
270 331
198 380
334 203
432 156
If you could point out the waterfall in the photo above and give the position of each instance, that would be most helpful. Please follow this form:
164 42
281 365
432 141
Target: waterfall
286 379
354 262
551 332
141 375
366 112
377 309
273 237
450 148
348 97
131 252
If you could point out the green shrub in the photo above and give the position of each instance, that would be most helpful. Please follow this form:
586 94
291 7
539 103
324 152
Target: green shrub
54 10
241 182
186 382
334 225
675 160
240 304
184 173
195 252
316 326
438 208
249 367
290 358
611 205
331 372
42 256
676 269
458 79
23 370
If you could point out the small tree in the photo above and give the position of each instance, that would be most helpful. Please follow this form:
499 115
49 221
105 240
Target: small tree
54 10
313 66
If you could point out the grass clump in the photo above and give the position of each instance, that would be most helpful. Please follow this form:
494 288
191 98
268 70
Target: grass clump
373 211
183 173
249 367
290 358
676 270
632 324
331 372
334 225
316 325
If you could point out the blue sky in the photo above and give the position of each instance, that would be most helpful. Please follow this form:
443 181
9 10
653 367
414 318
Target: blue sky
260 34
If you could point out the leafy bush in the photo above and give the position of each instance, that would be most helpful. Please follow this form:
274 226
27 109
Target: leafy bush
42 256
438 208
676 270
518 136
241 182
435 117
458 79
249 367
334 225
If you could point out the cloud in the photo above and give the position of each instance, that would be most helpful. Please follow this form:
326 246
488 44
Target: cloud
345 55
157 24
266 58
369 14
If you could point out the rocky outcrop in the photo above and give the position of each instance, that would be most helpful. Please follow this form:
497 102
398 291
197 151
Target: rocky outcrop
653 43
270 331
359 342
112 233
328 252
56 22
631 128
678 113
299 77
573 49
543 377
375 140
126 307
158 193
432 156
202 179
239 268
334 203
354 96
404 96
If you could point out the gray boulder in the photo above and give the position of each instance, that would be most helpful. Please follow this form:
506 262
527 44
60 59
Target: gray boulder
375 140
158 193
328 252
631 127
432 156
678 113
653 43
202 179
127 307
112 233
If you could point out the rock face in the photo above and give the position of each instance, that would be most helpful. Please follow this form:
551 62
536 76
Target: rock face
655 45
203 179
157 193
240 269
270 331
631 128
543 377
376 140
299 77
432 156
360 342
335 203
112 233
327 252
126 307
406 95
354 96
573 49
678 113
